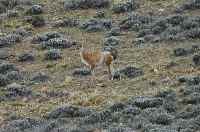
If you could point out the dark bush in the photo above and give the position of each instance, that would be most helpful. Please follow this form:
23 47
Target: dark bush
127 6
85 4
69 111
53 54
25 57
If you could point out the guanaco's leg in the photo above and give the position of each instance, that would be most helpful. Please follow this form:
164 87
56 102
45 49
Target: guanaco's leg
93 74
92 70
109 72
108 61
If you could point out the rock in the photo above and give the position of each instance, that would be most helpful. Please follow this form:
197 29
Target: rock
127 6
53 54
35 10
81 72
85 4
111 41
25 57
196 60
67 22
39 77
58 43
68 111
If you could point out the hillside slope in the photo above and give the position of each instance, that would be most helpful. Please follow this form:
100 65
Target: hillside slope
45 87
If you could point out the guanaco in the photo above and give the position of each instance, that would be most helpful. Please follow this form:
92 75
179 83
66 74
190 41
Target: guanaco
97 58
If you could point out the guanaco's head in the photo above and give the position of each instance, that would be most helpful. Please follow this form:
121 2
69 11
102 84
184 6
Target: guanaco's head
113 52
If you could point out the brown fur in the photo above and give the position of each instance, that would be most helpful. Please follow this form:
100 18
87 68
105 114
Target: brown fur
96 58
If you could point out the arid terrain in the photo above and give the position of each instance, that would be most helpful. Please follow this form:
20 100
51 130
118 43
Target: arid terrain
44 87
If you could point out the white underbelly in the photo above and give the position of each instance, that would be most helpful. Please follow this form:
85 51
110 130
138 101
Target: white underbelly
84 62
